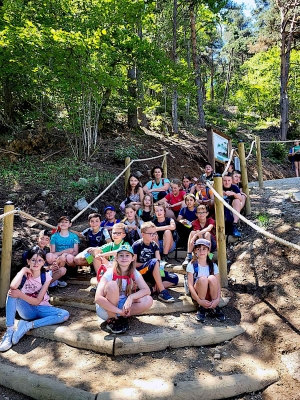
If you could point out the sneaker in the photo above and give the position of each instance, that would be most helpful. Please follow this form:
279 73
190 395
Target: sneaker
201 314
219 314
114 325
235 231
6 341
186 261
62 284
165 296
23 327
93 289
124 322
165 258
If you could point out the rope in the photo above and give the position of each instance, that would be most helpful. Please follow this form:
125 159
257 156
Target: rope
35 219
257 228
110 185
7 214
251 148
229 161
278 141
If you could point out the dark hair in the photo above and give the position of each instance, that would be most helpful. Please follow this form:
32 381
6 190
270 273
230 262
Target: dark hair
154 168
186 177
46 232
35 250
208 261
207 163
94 215
236 171
128 187
228 174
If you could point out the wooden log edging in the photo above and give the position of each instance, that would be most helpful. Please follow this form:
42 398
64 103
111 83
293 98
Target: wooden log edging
38 386
101 342
202 336
208 388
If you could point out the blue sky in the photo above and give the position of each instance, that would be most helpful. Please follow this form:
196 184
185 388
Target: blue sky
249 4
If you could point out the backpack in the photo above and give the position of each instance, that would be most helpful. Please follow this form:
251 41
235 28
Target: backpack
185 278
153 181
24 279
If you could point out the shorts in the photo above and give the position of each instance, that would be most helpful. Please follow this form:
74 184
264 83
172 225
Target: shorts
297 157
147 269
213 244
161 246
102 313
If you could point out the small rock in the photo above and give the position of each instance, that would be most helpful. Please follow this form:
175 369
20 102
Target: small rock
217 356
81 204
45 192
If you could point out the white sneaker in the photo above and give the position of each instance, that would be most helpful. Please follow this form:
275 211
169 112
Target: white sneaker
6 341
23 327
186 261
62 284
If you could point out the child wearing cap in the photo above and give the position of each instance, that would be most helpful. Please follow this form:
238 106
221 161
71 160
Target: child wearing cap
115 297
63 244
203 281
148 263
110 218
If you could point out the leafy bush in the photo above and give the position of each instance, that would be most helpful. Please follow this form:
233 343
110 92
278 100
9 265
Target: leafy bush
277 151
121 152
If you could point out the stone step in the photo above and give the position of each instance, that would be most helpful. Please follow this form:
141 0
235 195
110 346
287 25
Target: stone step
93 281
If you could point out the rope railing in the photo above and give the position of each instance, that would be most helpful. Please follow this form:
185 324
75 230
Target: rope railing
279 141
251 148
257 228
7 214
229 161
110 185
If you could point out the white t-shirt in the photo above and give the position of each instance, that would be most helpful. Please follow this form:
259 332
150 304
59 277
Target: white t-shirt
32 287
202 271
109 276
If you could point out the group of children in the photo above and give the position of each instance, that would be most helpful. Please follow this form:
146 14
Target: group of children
128 255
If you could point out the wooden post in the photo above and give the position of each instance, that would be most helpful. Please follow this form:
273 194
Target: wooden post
164 165
220 230
210 148
241 150
259 162
127 172
8 226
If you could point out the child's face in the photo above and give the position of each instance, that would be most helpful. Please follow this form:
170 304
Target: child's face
43 241
149 235
227 182
159 211
201 214
64 224
200 187
208 169
175 188
117 235
236 178
124 258
147 201
201 250
95 223
186 182
110 215
230 168
133 181
130 214
36 262
190 202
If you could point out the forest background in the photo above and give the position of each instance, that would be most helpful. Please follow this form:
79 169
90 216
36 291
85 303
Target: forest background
73 71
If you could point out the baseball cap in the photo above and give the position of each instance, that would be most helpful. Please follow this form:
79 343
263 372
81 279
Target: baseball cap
125 247
112 208
64 217
204 242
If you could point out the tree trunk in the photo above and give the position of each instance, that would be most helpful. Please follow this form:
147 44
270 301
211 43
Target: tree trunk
226 93
132 90
284 98
196 65
174 56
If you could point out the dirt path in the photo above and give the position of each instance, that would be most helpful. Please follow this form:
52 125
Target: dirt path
264 288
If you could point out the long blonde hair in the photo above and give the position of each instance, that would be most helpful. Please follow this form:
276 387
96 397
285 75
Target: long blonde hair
129 273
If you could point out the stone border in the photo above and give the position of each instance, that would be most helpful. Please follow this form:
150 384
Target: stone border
208 388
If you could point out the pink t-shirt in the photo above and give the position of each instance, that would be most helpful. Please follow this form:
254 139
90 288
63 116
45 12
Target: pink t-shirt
32 287
171 199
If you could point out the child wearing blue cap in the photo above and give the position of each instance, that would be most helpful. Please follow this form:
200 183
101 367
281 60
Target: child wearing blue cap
110 218
116 298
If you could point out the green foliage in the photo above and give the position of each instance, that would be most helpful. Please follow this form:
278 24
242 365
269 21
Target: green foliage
263 220
121 152
232 127
277 151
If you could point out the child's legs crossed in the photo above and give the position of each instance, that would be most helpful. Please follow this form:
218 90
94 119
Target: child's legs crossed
80 259
112 294
169 279
201 287
213 284
141 305
47 315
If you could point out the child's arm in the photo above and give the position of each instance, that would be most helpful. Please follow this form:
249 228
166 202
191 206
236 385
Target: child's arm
180 203
144 290
34 301
157 255
202 231
171 227
15 283
102 301
79 234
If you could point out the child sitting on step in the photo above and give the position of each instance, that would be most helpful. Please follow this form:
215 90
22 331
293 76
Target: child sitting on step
165 228
148 263
204 282
146 211
29 297
115 298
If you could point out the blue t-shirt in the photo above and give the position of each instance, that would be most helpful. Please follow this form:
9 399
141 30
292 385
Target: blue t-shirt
188 214
153 185
96 239
109 224
62 243
143 251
